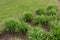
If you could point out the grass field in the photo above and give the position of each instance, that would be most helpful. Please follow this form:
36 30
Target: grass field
15 8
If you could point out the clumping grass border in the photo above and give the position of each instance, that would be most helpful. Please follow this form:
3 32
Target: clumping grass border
21 26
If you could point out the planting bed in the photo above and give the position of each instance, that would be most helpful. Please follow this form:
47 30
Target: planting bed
11 36
40 24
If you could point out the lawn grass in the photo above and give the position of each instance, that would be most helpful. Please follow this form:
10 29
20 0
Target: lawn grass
15 8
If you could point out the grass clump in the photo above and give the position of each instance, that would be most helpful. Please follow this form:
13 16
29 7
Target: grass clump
37 34
55 33
51 18
22 27
52 7
55 30
12 26
41 11
39 19
52 10
28 17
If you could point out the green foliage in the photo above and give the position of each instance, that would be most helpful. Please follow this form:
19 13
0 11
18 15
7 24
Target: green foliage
52 10
53 24
28 17
22 27
52 7
36 20
51 18
38 34
15 26
55 34
41 11
39 19
55 30
10 25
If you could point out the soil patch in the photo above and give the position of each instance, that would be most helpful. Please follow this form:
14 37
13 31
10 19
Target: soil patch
58 0
11 35
46 27
32 24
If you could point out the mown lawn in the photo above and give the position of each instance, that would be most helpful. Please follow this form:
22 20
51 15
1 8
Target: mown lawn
15 8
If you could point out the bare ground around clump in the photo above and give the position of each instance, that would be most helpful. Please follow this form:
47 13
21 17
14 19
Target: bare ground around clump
13 35
46 27
58 0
